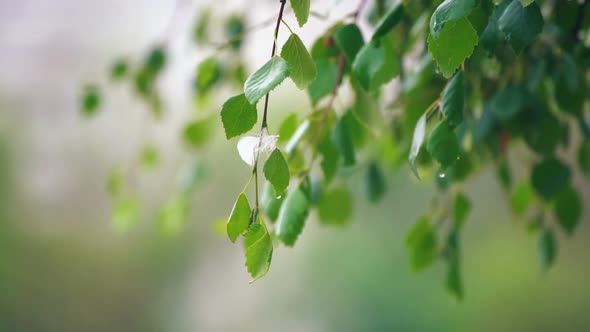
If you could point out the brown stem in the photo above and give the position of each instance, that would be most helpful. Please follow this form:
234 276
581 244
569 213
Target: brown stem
273 52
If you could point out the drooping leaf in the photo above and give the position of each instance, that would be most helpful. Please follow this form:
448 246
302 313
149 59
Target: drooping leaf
234 28
292 216
265 79
198 132
454 281
276 171
342 139
90 101
421 241
238 116
443 144
375 183
325 81
521 197
391 66
301 10
119 69
288 127
509 102
258 250
239 218
417 141
303 68
550 177
335 206
568 209
454 44
547 248
461 209
492 35
330 157
521 25
368 62
453 99
208 73
350 40
450 10
155 60
269 203
389 21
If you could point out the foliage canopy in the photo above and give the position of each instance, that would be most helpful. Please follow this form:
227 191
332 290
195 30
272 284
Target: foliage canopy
439 87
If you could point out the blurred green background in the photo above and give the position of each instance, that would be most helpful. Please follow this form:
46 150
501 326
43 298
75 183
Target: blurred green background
63 268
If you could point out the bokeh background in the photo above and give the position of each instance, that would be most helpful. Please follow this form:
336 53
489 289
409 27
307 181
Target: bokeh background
63 267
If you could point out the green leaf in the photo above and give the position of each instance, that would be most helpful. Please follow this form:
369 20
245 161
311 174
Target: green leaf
325 81
453 99
234 28
391 66
268 77
114 181
119 69
455 43
330 158
90 101
461 209
276 171
258 250
292 216
389 21
288 127
417 141
238 116
525 3
269 203
521 25
450 10
301 10
335 206
550 177
155 61
350 40
125 214
509 102
368 63
239 219
443 144
422 243
584 157
149 157
454 282
343 141
375 183
303 69
480 15
547 248
172 216
492 35
568 209
520 198
198 132
208 73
